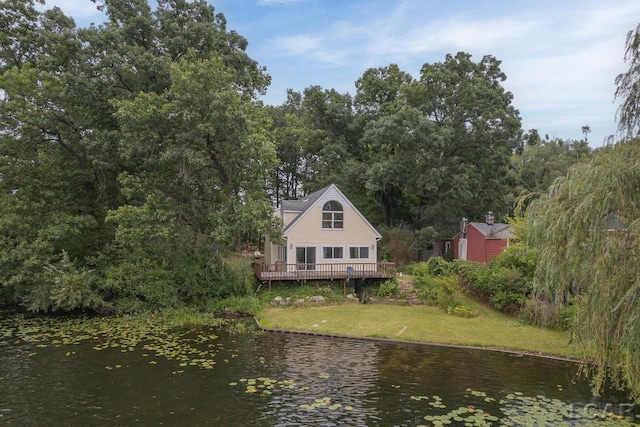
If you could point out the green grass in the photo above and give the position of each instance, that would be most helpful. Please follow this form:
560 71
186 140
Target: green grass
423 324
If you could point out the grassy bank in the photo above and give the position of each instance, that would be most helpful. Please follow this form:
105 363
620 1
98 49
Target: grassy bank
422 324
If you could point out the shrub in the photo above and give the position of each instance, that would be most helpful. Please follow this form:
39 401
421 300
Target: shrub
549 315
233 276
65 287
389 288
419 269
466 270
245 305
142 284
437 266
436 289
505 289
518 257
396 246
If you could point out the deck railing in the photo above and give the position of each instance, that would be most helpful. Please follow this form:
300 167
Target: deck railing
346 270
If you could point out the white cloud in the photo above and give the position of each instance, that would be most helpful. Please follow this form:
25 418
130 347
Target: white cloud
307 47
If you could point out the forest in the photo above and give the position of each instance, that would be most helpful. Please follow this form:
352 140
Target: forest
136 154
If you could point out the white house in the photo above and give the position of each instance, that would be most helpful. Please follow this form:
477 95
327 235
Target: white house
326 234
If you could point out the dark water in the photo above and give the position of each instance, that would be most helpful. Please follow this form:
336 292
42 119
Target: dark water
297 380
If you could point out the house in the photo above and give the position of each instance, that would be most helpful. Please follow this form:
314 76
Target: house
481 241
324 237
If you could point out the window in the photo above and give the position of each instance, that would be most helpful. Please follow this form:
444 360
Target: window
334 252
359 252
332 215
282 253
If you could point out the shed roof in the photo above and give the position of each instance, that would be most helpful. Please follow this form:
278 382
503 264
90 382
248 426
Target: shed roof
496 231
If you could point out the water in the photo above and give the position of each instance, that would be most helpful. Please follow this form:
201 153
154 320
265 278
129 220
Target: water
206 376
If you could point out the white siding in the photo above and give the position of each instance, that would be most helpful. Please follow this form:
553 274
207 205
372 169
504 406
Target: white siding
308 231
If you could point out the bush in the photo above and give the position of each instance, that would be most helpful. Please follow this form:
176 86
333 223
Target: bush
396 246
518 257
549 315
247 305
467 271
419 269
437 266
65 287
436 289
389 288
233 276
146 284
505 289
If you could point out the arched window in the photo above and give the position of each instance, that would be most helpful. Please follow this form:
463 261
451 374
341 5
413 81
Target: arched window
332 215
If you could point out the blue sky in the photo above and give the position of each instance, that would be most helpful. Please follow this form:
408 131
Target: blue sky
560 56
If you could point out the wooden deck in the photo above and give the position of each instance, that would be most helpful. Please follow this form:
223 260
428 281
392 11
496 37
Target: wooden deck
336 271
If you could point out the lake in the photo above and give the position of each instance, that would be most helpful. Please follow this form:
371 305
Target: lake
97 372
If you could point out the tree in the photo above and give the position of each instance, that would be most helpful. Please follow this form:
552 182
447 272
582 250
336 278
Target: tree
539 164
139 137
477 130
586 129
438 148
586 231
628 87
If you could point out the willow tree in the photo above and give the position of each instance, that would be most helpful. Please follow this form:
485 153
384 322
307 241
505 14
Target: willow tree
587 230
628 87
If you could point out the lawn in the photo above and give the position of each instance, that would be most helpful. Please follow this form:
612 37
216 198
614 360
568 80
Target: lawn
423 324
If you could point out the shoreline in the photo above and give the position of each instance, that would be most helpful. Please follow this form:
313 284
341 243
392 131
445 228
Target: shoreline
514 352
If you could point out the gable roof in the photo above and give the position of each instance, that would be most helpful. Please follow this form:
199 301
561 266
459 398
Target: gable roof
307 202
301 205
496 231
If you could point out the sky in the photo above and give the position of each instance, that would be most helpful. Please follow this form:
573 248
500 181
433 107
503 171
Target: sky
561 57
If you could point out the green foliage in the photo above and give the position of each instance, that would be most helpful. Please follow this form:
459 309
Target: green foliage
586 231
506 289
438 266
418 269
140 160
424 239
396 244
627 87
555 316
234 277
518 257
437 290
65 288
461 310
139 285
543 161
434 266
389 289
465 270
332 294
236 305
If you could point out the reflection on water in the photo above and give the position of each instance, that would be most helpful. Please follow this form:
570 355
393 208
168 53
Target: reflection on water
270 379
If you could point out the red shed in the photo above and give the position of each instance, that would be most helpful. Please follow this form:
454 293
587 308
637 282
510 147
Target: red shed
481 241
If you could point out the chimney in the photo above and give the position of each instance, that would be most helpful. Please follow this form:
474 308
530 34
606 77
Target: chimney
489 218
